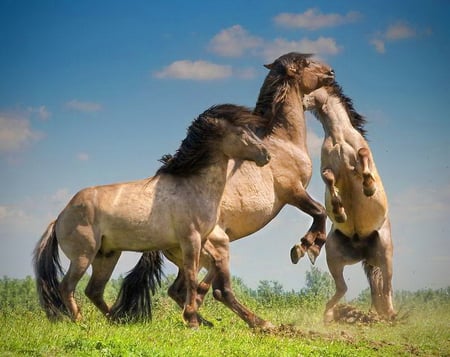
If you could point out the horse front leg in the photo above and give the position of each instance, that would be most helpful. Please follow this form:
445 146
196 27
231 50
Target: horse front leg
369 186
191 257
314 239
218 250
329 178
177 290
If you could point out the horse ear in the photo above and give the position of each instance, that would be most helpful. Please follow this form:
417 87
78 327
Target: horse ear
269 66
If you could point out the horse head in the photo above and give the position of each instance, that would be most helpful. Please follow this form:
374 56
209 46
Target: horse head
299 67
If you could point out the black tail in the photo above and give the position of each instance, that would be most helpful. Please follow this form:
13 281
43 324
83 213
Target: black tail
134 302
47 269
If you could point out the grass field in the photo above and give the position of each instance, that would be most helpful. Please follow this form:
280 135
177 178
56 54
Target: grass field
423 330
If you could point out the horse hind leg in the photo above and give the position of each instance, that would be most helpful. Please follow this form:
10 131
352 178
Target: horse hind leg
77 268
338 209
336 262
218 250
102 268
369 187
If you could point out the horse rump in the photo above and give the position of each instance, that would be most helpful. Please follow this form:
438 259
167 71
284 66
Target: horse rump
134 301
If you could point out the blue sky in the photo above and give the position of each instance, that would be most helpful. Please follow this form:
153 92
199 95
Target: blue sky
95 92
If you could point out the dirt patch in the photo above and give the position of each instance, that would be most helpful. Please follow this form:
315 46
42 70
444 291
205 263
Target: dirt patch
348 314
291 331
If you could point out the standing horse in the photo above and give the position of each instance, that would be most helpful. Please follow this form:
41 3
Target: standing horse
254 196
354 198
177 208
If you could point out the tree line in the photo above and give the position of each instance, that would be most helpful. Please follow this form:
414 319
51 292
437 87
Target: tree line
21 293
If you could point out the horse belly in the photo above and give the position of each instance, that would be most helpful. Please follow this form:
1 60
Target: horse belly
248 204
364 214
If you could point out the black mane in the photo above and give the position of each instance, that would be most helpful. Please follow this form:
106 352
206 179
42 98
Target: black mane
358 121
197 149
275 87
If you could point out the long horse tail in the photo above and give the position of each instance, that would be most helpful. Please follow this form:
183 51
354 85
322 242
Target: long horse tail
48 270
134 302
375 279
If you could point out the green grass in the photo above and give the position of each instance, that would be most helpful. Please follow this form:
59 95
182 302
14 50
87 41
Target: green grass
424 332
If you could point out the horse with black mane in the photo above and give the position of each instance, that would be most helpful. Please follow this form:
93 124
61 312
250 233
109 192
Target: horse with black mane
355 200
175 209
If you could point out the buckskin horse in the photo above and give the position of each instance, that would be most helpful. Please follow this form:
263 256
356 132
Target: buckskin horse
176 208
354 198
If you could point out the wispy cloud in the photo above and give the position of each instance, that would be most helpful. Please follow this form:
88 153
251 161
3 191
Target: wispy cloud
323 46
42 112
195 70
236 41
83 106
233 42
398 31
422 203
313 19
16 133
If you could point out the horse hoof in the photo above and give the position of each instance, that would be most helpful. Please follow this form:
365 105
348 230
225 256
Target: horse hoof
340 217
313 253
297 252
369 190
328 317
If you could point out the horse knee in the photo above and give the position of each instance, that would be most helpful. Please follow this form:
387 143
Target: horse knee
223 294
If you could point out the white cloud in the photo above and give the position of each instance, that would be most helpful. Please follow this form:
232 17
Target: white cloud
86 107
195 70
399 31
379 45
9 213
313 19
395 32
233 42
321 46
16 133
245 73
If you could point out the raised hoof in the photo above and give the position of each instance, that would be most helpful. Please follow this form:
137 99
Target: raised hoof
340 217
297 252
369 187
313 252
369 190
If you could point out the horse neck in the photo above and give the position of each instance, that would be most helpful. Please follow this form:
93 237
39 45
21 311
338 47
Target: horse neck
211 179
335 120
289 118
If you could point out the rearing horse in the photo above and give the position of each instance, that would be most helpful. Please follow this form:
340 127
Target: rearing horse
254 196
175 209
355 200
